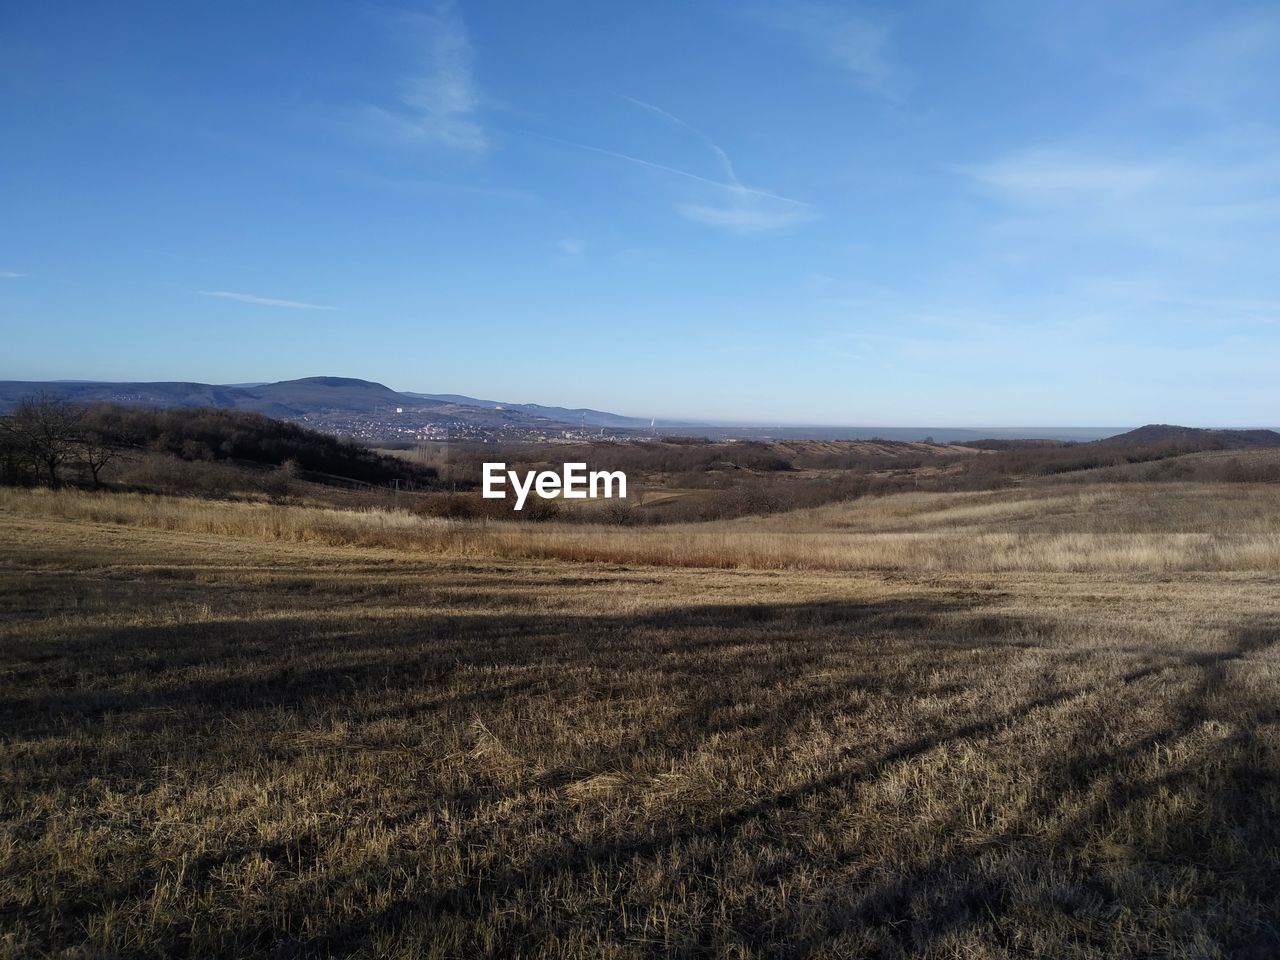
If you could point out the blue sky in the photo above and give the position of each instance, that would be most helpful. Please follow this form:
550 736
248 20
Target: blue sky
995 213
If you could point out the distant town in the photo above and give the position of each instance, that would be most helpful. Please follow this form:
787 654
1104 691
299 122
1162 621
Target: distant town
416 425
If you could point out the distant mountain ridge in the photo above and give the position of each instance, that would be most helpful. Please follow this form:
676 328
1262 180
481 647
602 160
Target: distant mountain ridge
1198 437
283 399
309 397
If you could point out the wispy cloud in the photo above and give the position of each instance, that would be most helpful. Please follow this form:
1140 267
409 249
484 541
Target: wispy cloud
571 247
438 100
1122 243
741 209
663 168
725 163
845 35
11 275
745 218
263 301
734 205
1051 176
1209 194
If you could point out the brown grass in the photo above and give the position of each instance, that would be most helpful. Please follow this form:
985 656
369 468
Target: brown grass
239 730
1121 528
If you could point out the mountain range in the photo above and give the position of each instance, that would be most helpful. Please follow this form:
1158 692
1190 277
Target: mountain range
315 396
335 403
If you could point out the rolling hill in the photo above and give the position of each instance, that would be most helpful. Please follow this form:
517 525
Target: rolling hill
1196 438
308 398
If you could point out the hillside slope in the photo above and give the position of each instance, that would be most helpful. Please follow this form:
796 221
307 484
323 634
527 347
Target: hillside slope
1196 438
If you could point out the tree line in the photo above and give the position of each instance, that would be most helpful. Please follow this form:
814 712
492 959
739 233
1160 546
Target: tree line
45 439
45 436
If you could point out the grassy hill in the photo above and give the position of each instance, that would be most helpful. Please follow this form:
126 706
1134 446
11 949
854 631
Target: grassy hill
1194 438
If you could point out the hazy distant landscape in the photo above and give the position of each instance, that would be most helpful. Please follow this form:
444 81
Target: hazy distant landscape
371 411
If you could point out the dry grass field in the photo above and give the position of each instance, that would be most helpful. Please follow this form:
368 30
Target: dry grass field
1038 722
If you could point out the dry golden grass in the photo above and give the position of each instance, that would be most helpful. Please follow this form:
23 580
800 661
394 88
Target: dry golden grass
237 730
1122 528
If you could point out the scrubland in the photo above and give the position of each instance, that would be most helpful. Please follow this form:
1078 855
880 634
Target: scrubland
1038 721
1098 527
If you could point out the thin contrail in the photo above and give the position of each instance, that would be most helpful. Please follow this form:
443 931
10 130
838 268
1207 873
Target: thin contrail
685 125
732 187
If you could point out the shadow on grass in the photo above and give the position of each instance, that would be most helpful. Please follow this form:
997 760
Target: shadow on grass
918 908
187 677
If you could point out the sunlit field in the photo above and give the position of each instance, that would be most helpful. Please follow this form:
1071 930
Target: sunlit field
1123 527
1041 721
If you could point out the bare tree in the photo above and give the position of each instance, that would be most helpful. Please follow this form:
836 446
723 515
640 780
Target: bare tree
280 482
95 449
45 431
